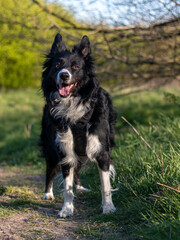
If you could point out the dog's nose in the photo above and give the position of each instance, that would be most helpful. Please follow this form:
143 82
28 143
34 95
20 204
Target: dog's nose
64 76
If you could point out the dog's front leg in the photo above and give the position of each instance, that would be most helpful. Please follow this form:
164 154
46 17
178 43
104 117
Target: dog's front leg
108 206
68 206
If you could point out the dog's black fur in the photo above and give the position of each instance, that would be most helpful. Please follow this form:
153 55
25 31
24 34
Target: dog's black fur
97 119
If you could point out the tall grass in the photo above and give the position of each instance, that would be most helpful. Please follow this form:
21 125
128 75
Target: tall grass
145 209
156 207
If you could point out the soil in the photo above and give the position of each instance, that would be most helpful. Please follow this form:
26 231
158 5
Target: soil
38 220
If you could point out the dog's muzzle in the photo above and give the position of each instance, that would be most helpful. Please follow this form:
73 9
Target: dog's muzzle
64 83
64 76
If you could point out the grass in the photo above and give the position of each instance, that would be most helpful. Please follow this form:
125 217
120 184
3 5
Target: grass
20 112
145 210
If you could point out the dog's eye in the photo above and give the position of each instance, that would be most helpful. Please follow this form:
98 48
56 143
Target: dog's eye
58 65
75 67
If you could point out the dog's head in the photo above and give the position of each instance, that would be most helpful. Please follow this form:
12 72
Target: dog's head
68 72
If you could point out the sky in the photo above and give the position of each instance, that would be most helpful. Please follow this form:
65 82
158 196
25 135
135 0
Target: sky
88 10
121 12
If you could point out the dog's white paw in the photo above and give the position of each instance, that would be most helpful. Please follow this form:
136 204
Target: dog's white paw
108 208
81 189
48 196
66 212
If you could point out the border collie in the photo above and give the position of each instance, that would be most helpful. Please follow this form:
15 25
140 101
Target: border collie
77 124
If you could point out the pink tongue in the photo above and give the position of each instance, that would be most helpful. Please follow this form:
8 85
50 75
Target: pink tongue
64 91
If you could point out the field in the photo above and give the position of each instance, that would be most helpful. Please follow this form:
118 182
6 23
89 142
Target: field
145 209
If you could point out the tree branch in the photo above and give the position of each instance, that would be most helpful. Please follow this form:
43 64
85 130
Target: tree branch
101 29
136 131
168 187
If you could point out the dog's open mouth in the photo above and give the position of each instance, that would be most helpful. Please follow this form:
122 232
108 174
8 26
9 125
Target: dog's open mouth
65 89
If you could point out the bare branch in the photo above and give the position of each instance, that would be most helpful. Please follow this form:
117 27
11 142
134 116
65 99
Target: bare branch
168 187
62 29
101 29
136 131
130 187
52 13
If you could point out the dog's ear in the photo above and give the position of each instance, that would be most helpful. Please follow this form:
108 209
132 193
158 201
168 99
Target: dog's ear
83 48
58 45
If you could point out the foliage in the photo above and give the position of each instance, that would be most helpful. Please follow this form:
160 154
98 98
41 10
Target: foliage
25 36
123 54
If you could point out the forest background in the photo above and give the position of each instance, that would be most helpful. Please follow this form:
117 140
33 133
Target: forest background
136 47
132 41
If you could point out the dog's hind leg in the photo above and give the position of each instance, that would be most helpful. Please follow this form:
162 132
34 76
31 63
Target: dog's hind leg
50 153
79 187
51 173
68 206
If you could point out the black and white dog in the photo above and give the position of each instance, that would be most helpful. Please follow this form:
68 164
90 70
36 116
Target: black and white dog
78 122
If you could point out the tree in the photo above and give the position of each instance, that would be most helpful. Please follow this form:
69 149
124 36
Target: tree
139 41
26 33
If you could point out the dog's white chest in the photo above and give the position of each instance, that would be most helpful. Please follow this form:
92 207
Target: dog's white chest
70 108
66 144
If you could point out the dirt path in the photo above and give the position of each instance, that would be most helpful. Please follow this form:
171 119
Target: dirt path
30 226
23 213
